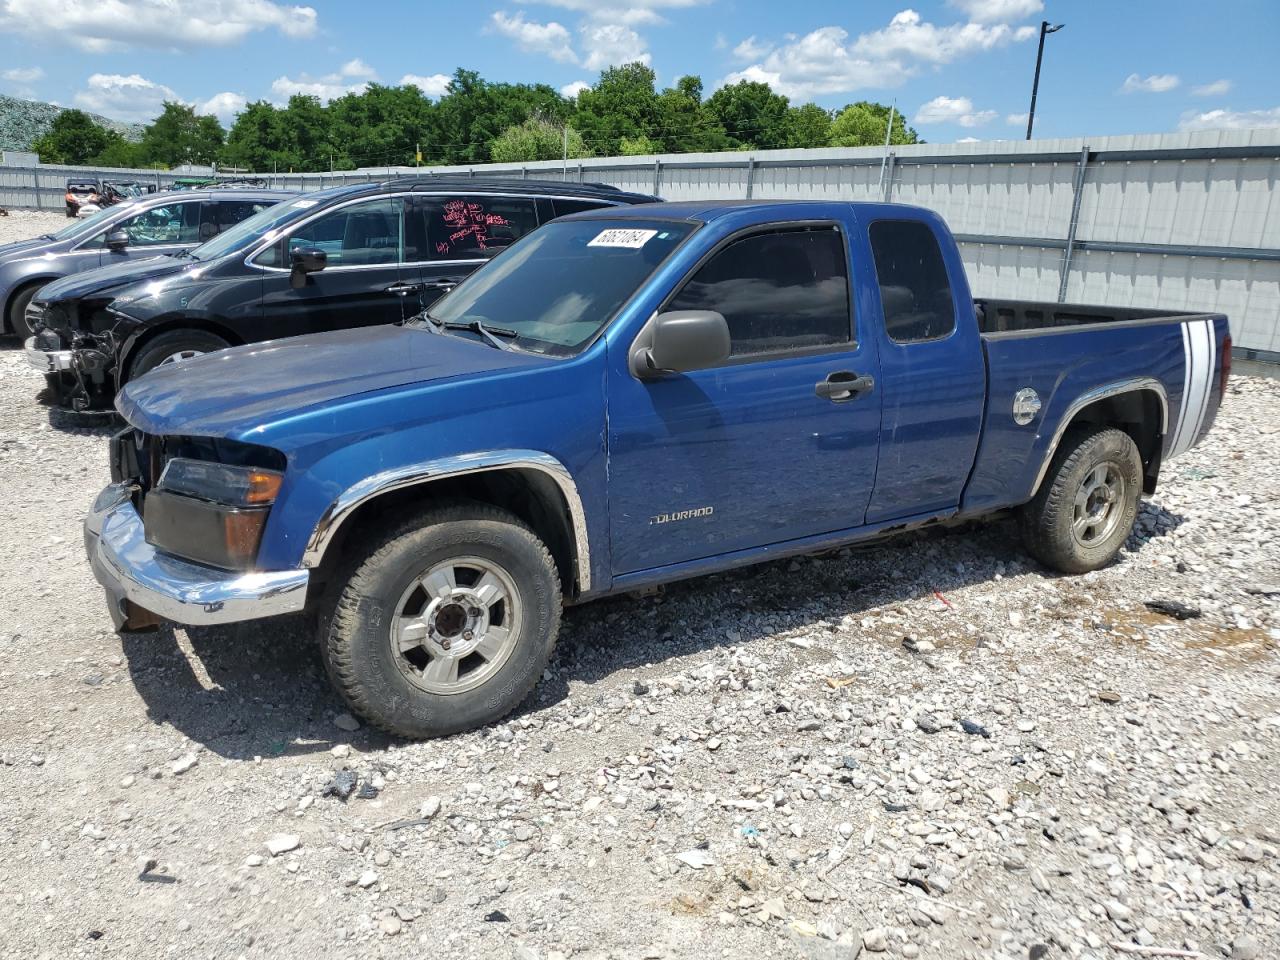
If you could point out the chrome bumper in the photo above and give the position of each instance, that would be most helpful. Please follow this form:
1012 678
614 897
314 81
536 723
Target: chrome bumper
132 570
47 361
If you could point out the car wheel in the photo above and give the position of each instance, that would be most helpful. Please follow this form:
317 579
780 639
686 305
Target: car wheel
444 623
1087 504
18 312
173 346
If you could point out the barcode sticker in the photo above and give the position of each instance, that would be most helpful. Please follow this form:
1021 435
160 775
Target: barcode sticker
630 239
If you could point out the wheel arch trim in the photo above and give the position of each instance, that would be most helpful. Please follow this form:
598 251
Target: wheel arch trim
1090 397
417 474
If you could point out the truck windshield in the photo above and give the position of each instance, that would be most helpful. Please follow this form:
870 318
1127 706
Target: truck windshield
254 228
557 287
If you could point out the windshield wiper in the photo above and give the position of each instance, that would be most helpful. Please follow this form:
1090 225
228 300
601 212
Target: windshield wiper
491 334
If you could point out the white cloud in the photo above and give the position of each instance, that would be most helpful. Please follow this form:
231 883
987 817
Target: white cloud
106 25
1017 119
352 77
632 13
1230 119
611 44
22 74
571 90
953 110
224 106
551 38
132 98
1156 83
909 36
436 85
968 140
751 49
826 61
1215 89
998 11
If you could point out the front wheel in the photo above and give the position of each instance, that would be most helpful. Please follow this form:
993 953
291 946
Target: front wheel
18 312
173 346
444 623
1087 504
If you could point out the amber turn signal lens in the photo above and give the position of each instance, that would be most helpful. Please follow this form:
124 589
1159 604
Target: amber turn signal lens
242 530
263 487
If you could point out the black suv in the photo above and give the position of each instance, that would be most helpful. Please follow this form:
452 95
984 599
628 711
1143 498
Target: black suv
345 257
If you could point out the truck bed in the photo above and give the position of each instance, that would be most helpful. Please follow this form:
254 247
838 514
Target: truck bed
1020 316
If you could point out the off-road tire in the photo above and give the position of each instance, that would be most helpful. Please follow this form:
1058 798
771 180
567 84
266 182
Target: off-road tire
1046 522
355 620
153 352
18 312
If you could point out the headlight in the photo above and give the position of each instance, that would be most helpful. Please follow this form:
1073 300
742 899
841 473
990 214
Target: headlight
221 483
211 513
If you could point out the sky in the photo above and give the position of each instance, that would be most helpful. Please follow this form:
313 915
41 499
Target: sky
958 69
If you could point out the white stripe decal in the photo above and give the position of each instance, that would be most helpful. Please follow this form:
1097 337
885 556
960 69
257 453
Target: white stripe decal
1196 394
1186 389
1208 387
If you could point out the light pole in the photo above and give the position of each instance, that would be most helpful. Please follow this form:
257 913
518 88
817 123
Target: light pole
1035 84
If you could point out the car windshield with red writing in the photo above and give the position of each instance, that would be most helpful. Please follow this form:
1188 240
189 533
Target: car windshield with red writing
559 286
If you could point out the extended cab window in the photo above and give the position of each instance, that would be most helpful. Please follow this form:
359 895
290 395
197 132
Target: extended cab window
781 290
467 227
914 288
358 234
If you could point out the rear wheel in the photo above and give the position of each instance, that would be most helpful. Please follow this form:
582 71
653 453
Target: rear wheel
444 623
1087 504
18 311
173 346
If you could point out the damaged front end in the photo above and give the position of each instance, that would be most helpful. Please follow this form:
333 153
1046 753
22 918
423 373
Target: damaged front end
83 342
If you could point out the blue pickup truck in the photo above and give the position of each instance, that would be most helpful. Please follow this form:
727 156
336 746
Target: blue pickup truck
622 398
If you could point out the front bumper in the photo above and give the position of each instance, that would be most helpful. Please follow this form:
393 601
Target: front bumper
134 573
47 361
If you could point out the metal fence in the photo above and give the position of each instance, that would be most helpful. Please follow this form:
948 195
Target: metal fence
1175 221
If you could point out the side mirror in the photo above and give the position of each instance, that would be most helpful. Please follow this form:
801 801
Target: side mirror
306 260
118 239
680 341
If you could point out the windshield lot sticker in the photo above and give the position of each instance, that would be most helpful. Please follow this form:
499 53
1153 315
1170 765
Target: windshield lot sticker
630 239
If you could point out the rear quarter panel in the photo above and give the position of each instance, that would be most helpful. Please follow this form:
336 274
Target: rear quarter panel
1063 365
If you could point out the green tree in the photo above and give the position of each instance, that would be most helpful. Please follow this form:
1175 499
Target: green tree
72 138
474 113
256 140
808 125
119 152
863 124
684 124
638 146
536 139
622 103
752 115
381 125
180 135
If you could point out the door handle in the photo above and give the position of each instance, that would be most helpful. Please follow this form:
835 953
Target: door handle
445 285
842 386
404 289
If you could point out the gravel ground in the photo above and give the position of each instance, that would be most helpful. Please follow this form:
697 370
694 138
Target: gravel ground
927 748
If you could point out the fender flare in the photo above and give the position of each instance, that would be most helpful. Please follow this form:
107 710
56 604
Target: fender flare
418 474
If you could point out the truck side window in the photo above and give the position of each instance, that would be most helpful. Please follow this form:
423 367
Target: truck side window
914 289
472 227
780 290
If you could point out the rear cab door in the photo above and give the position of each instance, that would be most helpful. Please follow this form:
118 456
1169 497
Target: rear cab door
932 369
448 236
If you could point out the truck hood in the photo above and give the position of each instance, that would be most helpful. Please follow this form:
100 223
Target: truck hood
13 251
104 280
232 392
